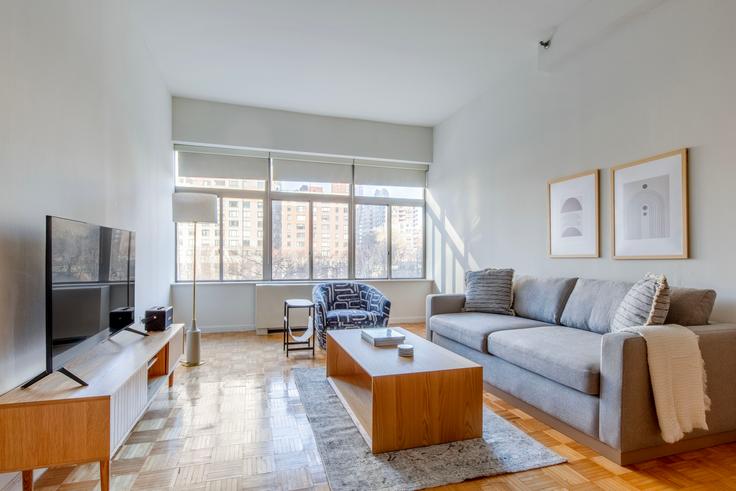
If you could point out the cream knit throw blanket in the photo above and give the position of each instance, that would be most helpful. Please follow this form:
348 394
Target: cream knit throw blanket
678 378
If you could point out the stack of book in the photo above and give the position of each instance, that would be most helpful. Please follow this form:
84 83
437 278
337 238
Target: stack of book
382 336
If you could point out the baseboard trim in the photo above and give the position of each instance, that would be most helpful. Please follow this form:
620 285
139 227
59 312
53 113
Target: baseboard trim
615 455
227 328
406 320
394 321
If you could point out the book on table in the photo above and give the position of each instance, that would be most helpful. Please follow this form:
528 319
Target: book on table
382 336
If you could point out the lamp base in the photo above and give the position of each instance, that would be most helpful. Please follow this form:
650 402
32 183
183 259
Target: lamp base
192 349
190 364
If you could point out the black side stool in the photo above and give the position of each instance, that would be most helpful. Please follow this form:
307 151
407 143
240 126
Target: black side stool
308 344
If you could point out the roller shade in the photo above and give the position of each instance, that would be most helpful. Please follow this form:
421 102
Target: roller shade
217 166
307 171
384 174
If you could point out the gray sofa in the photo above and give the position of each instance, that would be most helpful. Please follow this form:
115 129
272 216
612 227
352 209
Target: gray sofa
557 360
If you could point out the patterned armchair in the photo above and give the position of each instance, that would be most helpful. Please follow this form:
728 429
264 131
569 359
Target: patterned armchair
348 305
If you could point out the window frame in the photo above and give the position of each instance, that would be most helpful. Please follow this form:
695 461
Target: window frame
268 196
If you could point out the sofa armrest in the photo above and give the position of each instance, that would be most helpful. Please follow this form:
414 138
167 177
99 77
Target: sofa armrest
442 303
628 416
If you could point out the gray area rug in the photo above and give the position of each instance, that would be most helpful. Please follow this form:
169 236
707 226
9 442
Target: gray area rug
350 465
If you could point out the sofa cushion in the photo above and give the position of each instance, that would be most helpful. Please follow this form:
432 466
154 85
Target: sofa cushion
690 306
593 303
542 299
472 328
566 355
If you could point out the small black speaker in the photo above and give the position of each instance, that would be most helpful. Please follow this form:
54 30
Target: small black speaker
159 318
121 318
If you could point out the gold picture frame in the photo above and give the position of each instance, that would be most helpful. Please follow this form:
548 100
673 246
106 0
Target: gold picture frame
665 178
584 245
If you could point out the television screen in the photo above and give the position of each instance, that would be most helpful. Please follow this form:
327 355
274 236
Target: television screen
90 272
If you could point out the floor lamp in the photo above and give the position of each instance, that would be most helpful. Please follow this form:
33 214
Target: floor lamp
194 208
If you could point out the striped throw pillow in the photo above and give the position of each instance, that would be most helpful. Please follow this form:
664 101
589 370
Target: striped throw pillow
490 291
646 304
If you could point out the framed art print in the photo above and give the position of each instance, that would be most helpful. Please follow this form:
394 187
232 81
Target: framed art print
573 215
650 209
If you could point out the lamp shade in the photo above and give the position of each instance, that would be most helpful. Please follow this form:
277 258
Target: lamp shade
194 207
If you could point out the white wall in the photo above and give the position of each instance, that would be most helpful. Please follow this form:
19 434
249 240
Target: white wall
247 306
85 133
662 81
220 306
205 122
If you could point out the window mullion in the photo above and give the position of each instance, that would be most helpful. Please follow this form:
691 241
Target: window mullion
351 227
310 217
176 252
389 245
267 243
423 274
222 237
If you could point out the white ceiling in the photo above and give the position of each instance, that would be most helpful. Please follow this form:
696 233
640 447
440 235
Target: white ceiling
403 61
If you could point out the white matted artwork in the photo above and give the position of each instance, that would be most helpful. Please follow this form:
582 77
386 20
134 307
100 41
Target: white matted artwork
650 208
573 215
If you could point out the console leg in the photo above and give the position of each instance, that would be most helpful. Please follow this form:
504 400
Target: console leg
171 379
105 475
28 480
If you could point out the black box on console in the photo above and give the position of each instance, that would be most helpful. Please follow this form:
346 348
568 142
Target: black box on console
121 318
159 318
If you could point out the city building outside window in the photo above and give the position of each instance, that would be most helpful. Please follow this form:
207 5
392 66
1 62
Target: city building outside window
325 221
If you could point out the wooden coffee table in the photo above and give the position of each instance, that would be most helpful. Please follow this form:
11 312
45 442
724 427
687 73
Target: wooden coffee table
396 403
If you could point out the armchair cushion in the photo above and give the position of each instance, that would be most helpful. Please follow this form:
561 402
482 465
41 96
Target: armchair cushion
342 318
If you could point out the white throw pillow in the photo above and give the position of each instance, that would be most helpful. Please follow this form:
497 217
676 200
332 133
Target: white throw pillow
647 303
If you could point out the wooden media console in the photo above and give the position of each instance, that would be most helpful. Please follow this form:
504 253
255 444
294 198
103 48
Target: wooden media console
56 422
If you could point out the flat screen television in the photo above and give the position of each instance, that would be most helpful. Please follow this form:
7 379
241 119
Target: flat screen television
90 271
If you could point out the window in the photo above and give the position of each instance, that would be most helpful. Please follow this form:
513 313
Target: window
389 192
371 233
301 176
407 241
196 169
328 219
208 252
332 259
289 260
241 261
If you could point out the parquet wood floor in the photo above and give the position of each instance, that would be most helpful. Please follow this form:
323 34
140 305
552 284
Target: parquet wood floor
237 423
